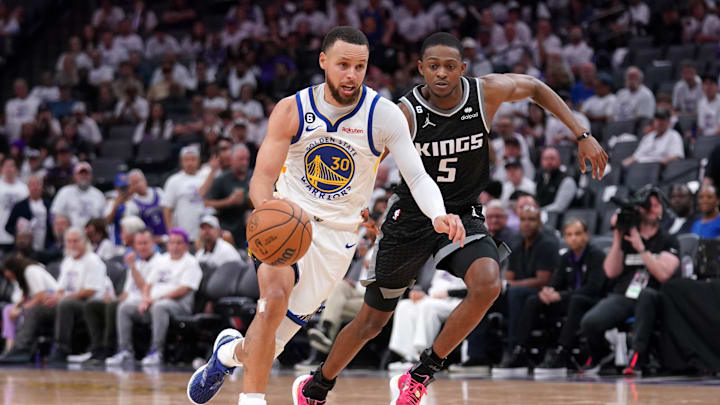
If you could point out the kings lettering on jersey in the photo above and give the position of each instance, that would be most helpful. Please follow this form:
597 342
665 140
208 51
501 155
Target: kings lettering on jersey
449 147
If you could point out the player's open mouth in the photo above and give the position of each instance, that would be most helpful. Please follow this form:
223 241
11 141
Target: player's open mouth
441 85
348 90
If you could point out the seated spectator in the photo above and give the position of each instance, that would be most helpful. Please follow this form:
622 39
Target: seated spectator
80 201
143 20
510 147
103 111
585 87
577 51
160 44
60 173
576 285
600 106
144 202
708 227
76 53
638 262
496 219
311 16
558 133
512 51
107 16
60 225
127 39
111 53
80 148
688 91
180 15
35 209
97 236
214 101
555 189
180 74
12 191
32 166
201 76
682 205
530 267
708 112
68 75
419 318
101 316
87 128
126 79
193 44
156 126
247 107
19 110
516 180
477 64
170 285
229 194
82 278
635 100
663 144
181 202
702 26
132 109
214 250
545 42
32 284
240 75
46 91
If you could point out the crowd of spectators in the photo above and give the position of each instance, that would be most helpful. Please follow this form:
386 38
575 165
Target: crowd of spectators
195 83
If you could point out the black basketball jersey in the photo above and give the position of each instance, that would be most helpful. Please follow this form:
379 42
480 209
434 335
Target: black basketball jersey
453 144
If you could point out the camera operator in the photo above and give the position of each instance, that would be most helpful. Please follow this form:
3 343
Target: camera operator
641 258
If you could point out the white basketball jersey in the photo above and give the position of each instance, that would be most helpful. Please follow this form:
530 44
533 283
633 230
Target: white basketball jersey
330 167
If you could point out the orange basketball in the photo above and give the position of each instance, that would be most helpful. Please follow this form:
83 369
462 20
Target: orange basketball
279 232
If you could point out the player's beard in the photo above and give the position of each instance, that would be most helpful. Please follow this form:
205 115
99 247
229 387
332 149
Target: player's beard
335 92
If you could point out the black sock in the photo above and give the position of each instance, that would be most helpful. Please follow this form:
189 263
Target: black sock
430 363
318 387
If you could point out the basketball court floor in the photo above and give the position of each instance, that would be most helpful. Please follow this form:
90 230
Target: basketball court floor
158 387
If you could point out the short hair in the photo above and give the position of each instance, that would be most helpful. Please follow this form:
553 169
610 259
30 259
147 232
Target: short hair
495 204
346 34
573 221
441 38
240 147
132 224
687 63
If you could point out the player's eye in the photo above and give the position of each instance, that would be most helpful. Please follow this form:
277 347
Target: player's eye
450 67
343 64
360 67
433 67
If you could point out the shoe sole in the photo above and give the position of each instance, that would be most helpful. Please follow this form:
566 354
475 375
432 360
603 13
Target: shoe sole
296 385
394 389
125 360
220 335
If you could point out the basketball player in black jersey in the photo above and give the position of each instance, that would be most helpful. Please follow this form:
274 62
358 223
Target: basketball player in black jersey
449 118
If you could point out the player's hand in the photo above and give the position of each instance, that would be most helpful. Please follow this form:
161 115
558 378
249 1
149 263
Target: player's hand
590 149
451 225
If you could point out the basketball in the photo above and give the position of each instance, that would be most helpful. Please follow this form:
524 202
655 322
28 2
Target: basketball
279 232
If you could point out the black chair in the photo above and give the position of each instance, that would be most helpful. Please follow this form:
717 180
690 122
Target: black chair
117 273
687 123
656 74
117 149
567 154
677 53
602 197
121 132
54 269
104 170
153 152
646 56
553 220
622 150
619 127
587 215
640 174
689 243
602 242
666 87
704 145
680 171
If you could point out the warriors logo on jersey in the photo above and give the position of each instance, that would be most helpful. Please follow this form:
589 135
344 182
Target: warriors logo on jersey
329 168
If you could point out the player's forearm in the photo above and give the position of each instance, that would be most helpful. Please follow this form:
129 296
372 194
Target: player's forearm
428 197
549 100
261 188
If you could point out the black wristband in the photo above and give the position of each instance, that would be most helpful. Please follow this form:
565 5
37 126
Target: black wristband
582 136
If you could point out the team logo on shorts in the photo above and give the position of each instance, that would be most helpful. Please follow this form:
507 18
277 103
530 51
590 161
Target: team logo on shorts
329 168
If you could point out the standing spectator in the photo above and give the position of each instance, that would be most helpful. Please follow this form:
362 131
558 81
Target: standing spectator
145 202
12 190
107 16
87 128
132 109
80 201
97 236
638 262
181 202
708 227
577 51
101 316
635 100
19 110
229 194
157 126
214 250
600 106
160 44
516 181
681 203
688 91
529 270
46 91
173 278
35 209
663 144
555 189
708 112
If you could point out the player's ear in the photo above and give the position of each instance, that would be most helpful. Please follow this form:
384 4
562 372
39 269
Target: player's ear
463 68
420 66
322 59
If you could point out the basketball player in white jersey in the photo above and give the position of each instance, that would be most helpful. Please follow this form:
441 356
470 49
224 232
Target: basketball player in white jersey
322 146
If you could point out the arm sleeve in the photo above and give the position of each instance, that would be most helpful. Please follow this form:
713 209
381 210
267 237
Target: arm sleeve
564 196
395 135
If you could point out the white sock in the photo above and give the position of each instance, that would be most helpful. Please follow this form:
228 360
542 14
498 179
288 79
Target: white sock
226 353
252 399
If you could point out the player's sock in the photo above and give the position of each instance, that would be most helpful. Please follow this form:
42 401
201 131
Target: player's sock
318 387
252 399
430 363
226 353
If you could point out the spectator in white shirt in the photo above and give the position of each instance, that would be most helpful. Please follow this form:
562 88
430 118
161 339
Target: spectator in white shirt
99 73
169 291
157 126
556 132
179 72
600 107
46 91
214 101
247 107
19 110
12 190
510 53
82 60
516 181
142 19
413 22
97 236
182 204
497 33
577 51
310 15
343 13
477 63
87 128
111 52
510 145
545 42
663 144
239 76
688 91
215 251
107 16
132 108
635 100
200 75
708 112
160 44
194 43
80 201
10 22
701 26
127 39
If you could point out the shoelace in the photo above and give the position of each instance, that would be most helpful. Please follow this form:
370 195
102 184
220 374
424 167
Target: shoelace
413 391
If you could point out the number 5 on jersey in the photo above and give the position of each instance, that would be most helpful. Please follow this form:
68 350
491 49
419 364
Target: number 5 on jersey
449 177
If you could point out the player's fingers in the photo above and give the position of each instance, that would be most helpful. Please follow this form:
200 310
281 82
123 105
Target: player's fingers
582 162
451 227
463 233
